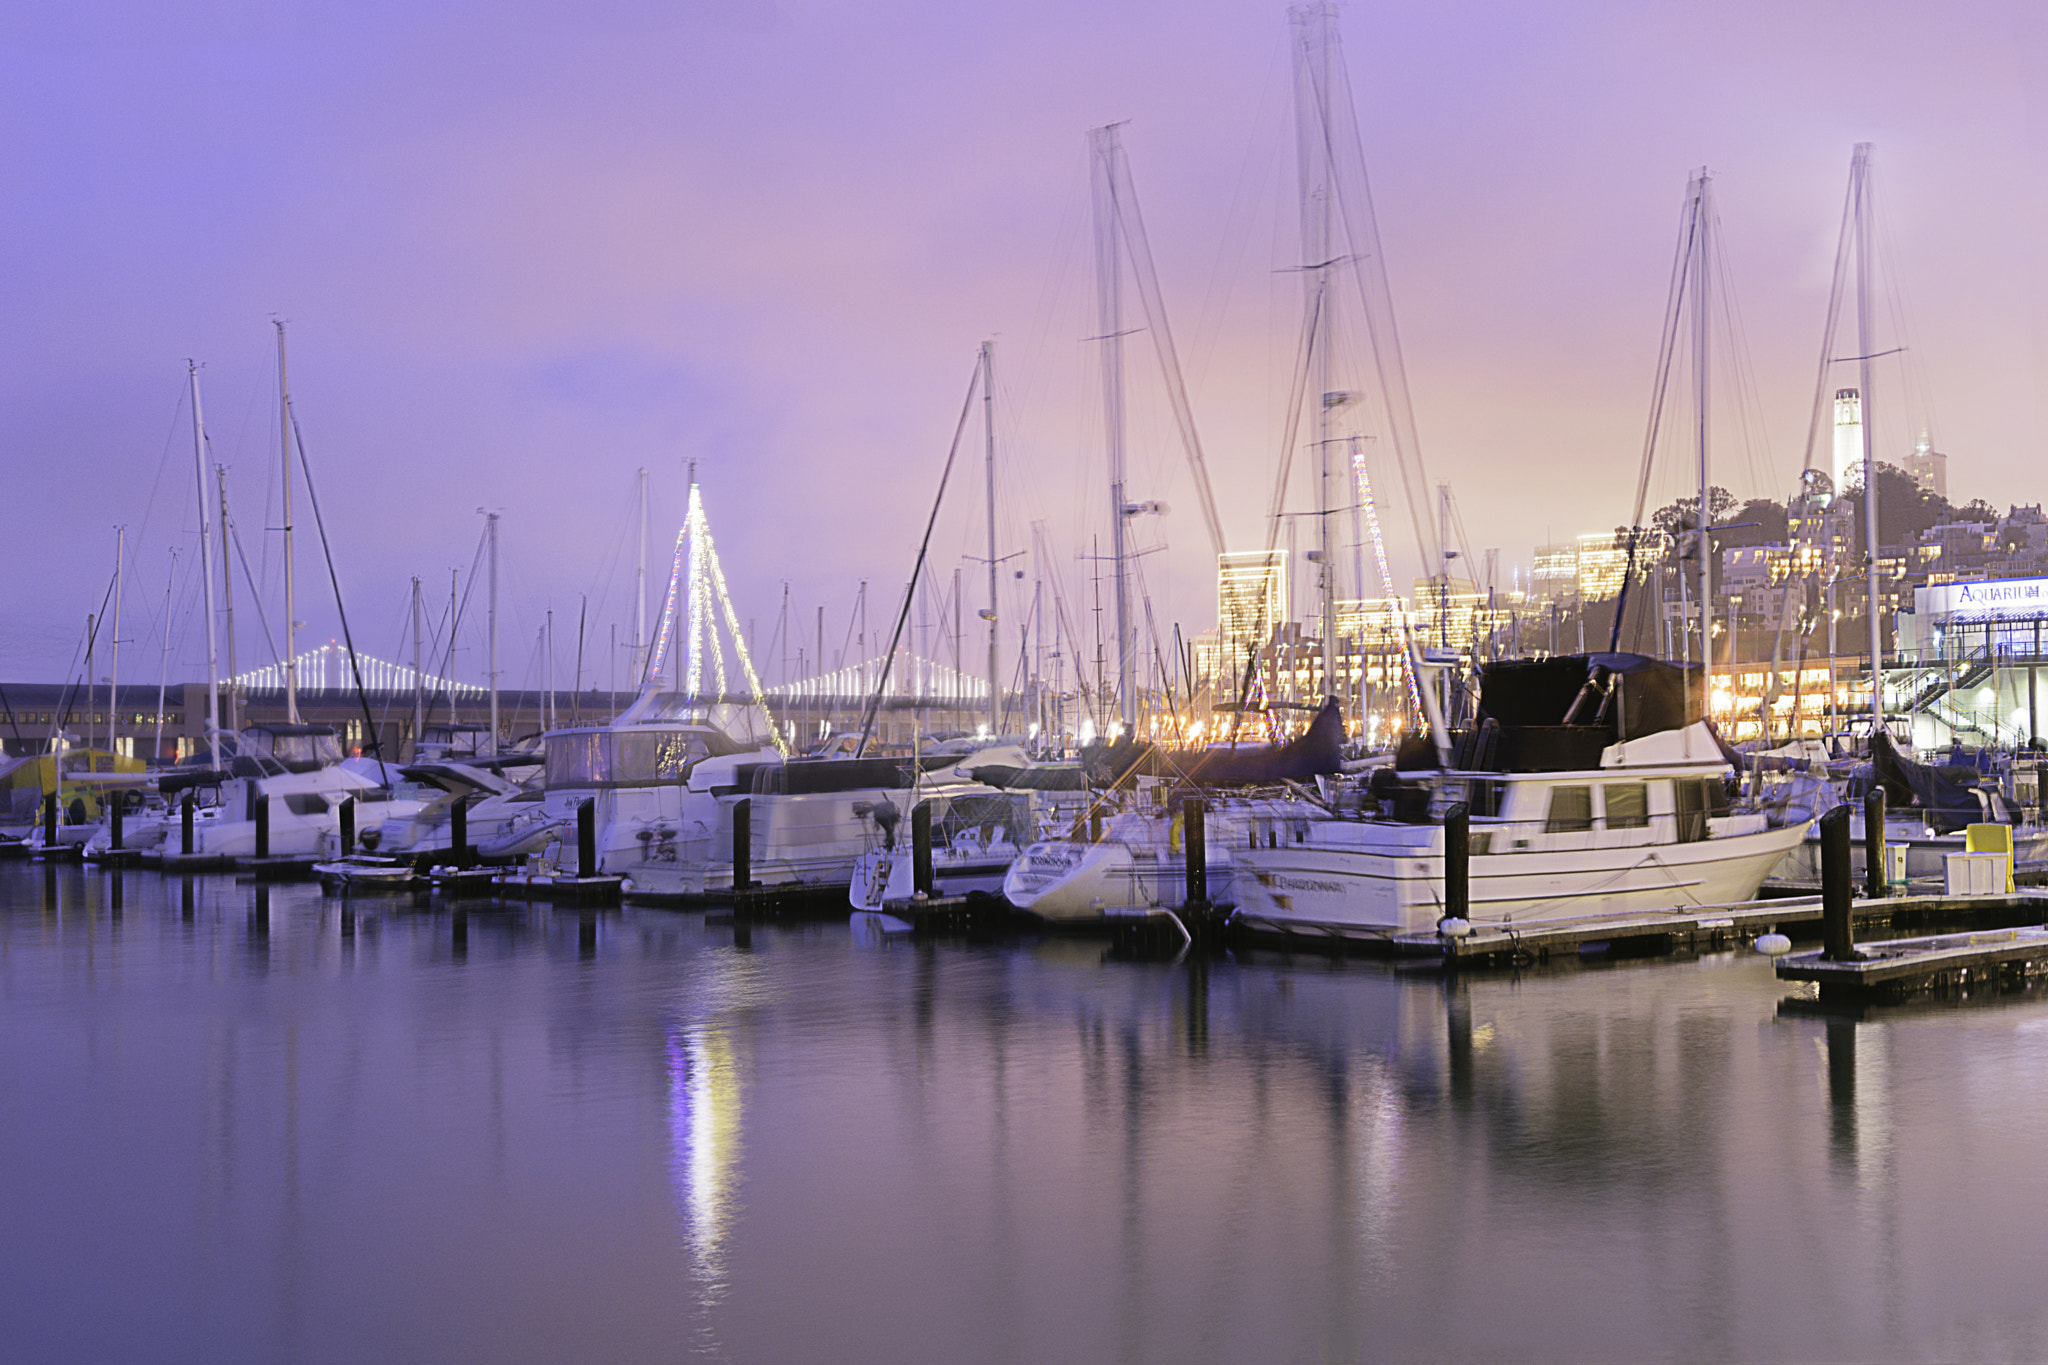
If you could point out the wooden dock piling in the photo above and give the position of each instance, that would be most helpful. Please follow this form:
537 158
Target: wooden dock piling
1838 933
586 837
1457 861
1873 844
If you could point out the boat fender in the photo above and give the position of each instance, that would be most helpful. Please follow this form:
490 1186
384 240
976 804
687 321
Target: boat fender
1450 926
1173 835
1773 945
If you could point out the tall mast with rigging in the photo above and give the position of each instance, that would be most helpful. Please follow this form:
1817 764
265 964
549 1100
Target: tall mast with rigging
291 623
988 412
114 641
640 594
1702 216
206 568
1859 176
491 530
1110 323
227 589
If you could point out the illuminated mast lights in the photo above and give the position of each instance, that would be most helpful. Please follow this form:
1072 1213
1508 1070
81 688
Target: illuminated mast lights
698 580
1379 555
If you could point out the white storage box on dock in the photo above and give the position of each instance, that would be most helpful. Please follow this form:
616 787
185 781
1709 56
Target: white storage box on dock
1975 874
1895 864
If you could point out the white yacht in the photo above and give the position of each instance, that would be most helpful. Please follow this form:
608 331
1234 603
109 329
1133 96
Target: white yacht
975 826
1138 861
664 777
503 820
299 771
1592 787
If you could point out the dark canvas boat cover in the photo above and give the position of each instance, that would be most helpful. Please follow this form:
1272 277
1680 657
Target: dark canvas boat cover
1313 753
1557 714
1945 794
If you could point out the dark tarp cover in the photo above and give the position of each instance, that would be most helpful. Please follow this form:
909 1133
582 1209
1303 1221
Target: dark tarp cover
1943 793
1313 753
1530 702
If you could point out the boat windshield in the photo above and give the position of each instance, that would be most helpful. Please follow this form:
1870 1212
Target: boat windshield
622 757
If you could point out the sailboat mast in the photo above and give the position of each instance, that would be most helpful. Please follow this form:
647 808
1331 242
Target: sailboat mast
419 682
227 597
988 412
114 643
1859 172
491 530
205 569
163 668
1702 216
291 622
1109 316
640 593
1317 191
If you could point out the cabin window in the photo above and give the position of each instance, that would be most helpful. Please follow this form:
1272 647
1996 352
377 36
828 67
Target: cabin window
659 756
1692 810
1571 810
576 760
1628 805
305 803
1487 796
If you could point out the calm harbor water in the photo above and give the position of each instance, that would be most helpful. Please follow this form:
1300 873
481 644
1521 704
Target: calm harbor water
279 1137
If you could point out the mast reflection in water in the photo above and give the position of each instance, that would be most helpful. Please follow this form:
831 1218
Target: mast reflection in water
704 1136
299 1136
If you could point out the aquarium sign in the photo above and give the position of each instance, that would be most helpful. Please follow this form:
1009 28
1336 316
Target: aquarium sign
2006 597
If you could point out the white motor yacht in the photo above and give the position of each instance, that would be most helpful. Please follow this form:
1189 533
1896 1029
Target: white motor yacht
1593 788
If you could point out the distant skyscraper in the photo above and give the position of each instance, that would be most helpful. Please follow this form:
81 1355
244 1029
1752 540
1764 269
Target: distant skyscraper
1848 439
1928 466
1251 598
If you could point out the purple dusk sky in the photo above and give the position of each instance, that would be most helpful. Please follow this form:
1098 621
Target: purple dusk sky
526 249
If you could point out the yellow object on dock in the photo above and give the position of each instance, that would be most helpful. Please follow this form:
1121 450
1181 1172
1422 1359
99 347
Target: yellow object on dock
1989 838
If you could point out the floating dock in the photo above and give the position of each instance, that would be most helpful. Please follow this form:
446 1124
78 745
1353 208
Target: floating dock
1707 928
556 888
1897 968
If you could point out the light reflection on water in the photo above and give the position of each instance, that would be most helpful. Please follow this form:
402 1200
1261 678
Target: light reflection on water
236 1127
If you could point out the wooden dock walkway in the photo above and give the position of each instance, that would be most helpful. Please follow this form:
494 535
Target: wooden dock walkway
1897 968
1707 928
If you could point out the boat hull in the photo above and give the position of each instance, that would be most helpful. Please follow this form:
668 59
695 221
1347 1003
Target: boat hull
1380 892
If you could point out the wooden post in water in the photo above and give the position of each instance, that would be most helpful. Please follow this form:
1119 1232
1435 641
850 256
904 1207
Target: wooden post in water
1837 888
458 832
1873 844
50 821
586 838
921 849
185 830
114 826
1195 847
348 825
742 844
259 811
1458 862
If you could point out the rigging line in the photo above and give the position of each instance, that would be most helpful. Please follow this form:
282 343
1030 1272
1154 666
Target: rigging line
1660 390
910 589
1827 335
91 635
1748 399
370 738
256 597
1131 221
1304 357
1369 272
